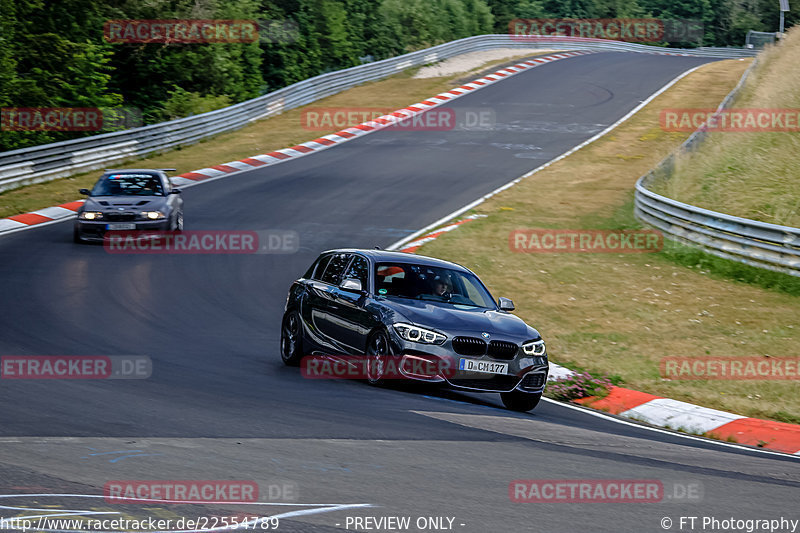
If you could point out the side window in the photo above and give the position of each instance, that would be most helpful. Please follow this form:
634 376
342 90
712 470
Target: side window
391 279
358 269
316 270
333 273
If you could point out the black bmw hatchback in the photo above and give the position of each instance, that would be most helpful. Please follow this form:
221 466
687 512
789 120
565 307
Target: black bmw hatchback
416 318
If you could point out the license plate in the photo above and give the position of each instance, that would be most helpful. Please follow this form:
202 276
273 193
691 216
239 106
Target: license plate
487 367
120 227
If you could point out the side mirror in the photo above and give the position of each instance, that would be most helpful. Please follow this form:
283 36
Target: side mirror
175 191
505 304
351 284
86 192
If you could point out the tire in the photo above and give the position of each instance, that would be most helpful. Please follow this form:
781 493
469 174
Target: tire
76 236
291 339
520 401
179 221
378 348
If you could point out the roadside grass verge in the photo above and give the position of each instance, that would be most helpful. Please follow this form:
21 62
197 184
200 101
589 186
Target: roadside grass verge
621 314
706 263
721 268
263 136
750 174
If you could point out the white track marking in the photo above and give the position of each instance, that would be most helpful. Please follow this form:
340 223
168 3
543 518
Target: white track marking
312 508
457 212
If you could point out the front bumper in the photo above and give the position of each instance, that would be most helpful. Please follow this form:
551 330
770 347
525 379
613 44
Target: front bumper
92 230
440 364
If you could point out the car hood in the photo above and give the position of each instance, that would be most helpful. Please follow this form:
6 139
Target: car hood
126 203
462 320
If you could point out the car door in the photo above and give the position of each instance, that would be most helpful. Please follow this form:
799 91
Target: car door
352 322
323 304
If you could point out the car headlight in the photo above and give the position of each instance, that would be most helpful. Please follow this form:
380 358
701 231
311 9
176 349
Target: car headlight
90 215
534 347
417 334
153 215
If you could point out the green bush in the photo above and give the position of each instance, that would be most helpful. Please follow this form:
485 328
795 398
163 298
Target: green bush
181 103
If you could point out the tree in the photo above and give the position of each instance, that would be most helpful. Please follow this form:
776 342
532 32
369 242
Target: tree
504 11
57 61
479 17
579 9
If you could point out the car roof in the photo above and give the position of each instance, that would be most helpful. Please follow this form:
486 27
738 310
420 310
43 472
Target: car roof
379 256
151 171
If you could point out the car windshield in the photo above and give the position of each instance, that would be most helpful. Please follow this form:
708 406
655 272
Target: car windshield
424 282
128 185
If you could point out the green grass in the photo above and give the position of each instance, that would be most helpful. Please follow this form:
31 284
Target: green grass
696 258
721 268
783 416
751 174
622 314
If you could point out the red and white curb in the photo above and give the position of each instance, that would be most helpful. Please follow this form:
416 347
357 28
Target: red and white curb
414 245
48 214
672 414
68 210
664 412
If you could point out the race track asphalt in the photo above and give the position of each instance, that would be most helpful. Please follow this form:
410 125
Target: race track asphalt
220 404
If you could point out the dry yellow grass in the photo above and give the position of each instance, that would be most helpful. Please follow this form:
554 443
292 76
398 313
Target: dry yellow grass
264 136
620 314
750 174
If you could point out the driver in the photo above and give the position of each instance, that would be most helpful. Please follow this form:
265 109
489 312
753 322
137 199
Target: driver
441 287
152 187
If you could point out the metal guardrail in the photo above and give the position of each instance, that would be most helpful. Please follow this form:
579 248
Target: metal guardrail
755 243
51 161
